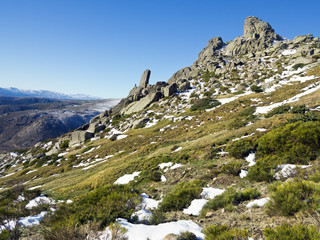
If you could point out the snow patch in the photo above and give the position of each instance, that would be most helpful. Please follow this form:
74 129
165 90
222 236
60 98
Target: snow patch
251 159
286 170
158 232
127 178
258 202
39 200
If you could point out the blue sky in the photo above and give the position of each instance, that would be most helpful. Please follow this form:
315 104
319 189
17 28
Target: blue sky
101 47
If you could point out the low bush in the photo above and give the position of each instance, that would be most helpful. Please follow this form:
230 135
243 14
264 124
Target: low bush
233 168
255 88
299 109
64 145
292 197
224 232
204 103
241 148
298 65
294 143
101 206
288 232
231 197
263 170
247 112
181 196
278 110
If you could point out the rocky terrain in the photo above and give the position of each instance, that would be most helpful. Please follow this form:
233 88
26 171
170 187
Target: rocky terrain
227 148
27 121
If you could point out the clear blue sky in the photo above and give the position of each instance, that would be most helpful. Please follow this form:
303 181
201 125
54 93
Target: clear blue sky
101 47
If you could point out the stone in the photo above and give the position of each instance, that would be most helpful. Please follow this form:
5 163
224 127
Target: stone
140 121
171 236
96 127
181 74
300 39
170 90
214 44
142 103
78 137
144 81
184 86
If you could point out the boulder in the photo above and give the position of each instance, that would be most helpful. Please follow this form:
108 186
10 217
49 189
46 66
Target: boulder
144 81
170 90
140 122
300 39
142 103
78 137
184 73
184 86
96 127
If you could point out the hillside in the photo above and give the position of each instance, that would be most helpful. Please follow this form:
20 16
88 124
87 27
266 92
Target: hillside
27 121
228 148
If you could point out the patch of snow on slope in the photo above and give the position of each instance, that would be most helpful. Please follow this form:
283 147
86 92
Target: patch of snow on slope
243 173
32 220
289 52
258 202
158 232
127 178
149 203
287 170
197 204
38 201
251 159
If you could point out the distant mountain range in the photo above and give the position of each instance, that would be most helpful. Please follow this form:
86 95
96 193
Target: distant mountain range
15 92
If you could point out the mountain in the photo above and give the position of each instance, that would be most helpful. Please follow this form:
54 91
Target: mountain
227 148
15 92
27 121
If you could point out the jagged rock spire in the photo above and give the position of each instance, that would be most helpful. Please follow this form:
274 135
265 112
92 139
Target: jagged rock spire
144 81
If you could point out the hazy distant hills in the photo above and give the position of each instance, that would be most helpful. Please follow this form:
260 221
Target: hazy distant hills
15 92
24 121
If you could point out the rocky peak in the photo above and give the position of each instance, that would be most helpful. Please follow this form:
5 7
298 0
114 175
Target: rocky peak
255 28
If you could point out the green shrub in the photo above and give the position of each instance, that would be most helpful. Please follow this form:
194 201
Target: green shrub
247 112
209 93
240 148
204 103
224 232
233 168
102 205
181 196
315 177
288 232
263 170
231 197
298 65
64 145
255 88
294 143
292 197
299 109
306 117
278 110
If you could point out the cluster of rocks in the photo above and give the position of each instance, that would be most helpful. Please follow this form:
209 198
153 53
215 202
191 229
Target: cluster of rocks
244 54
142 96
